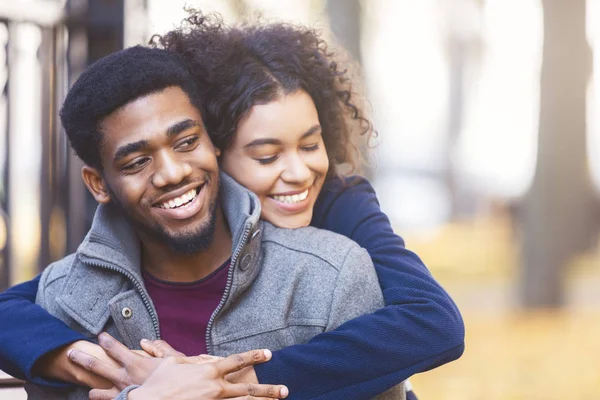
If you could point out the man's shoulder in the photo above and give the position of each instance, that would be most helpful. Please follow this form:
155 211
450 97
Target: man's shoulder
326 245
57 270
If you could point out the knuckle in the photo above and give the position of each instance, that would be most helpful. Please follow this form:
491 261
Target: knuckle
257 355
123 380
219 390
239 361
90 364
211 369
270 391
107 342
251 389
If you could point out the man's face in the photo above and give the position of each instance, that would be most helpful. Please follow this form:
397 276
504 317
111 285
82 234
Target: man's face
160 168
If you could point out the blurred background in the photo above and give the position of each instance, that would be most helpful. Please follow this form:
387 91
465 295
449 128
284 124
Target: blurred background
487 160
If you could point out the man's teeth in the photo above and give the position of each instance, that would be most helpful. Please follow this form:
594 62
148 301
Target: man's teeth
292 199
178 201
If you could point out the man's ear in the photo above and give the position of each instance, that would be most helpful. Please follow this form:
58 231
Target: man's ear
95 184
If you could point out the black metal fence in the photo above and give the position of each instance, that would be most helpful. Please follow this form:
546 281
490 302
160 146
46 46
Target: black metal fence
44 45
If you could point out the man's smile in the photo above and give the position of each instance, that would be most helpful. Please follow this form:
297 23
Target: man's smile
177 205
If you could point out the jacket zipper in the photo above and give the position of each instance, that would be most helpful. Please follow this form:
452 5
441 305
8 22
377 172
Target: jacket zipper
139 288
234 258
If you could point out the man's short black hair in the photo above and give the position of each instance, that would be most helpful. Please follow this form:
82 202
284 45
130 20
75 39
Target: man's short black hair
114 81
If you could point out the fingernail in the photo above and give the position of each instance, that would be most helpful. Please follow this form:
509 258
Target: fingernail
69 353
284 392
268 354
144 340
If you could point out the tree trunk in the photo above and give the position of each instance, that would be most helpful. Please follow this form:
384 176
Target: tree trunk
558 210
345 21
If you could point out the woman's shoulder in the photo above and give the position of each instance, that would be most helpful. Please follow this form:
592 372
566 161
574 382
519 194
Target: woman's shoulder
339 185
342 197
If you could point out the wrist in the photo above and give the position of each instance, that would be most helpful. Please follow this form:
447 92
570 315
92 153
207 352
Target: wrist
51 365
137 394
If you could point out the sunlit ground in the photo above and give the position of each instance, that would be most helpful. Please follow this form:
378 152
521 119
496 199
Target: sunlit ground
510 354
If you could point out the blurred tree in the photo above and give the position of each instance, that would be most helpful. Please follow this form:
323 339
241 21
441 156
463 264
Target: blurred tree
462 43
558 215
345 24
240 8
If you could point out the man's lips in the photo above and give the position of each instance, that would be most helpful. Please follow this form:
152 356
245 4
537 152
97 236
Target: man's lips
186 209
175 194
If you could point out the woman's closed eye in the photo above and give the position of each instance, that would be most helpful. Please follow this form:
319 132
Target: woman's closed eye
312 147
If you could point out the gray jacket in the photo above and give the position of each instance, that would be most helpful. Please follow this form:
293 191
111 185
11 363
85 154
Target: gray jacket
284 286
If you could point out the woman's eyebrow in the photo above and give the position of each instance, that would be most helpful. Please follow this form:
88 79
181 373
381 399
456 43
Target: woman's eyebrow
262 141
311 131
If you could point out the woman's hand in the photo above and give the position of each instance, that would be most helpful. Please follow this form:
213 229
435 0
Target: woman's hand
125 368
56 365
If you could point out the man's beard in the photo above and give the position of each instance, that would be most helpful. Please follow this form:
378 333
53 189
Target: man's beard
188 243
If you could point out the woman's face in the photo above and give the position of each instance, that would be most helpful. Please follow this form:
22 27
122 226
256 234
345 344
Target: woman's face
279 154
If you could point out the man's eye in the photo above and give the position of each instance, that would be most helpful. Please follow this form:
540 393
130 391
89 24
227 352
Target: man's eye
188 144
135 166
267 160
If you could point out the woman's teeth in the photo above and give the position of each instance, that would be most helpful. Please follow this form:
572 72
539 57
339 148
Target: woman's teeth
181 200
292 199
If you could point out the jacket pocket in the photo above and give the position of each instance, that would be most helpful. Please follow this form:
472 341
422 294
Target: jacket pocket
273 338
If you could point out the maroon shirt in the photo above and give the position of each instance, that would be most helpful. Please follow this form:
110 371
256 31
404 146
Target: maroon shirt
184 309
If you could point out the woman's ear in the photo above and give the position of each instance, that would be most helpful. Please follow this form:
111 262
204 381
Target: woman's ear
217 151
95 184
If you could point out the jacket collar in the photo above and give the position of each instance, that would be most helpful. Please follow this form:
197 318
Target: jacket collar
113 240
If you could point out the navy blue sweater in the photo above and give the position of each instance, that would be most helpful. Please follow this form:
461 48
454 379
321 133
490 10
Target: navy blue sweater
419 328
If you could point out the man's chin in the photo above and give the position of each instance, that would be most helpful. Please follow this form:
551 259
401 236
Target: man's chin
189 245
188 241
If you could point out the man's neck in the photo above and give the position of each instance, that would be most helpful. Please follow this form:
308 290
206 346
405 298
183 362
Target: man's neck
165 264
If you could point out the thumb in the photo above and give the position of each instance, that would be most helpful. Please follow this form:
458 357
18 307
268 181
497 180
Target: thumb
159 348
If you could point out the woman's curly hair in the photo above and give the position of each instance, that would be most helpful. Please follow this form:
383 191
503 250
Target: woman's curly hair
237 67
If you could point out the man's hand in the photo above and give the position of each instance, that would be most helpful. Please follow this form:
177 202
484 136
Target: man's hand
56 365
183 378
160 348
126 367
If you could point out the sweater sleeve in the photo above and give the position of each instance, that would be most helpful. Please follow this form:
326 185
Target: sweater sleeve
29 332
419 328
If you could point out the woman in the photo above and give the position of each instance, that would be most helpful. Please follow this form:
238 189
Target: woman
284 116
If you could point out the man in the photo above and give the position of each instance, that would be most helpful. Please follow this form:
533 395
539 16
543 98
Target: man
166 217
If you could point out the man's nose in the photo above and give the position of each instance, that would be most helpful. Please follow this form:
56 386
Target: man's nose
170 170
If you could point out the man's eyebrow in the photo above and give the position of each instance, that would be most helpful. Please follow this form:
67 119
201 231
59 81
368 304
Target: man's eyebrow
259 142
181 126
129 148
